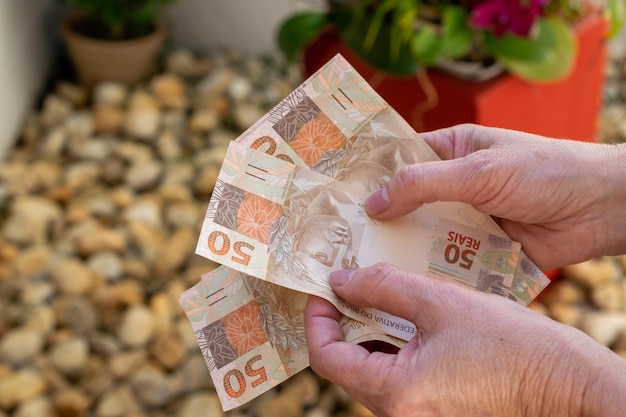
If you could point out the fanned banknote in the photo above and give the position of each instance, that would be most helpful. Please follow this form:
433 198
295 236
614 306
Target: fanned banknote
292 226
251 333
336 125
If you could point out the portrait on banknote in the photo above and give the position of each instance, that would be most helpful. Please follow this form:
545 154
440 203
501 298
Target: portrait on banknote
319 237
373 160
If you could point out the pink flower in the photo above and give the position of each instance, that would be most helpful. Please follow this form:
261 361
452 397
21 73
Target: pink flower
502 16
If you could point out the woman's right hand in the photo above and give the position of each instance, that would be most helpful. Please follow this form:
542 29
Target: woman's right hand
564 201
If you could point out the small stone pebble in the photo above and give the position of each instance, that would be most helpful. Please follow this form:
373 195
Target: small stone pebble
21 345
201 405
117 402
137 326
151 386
110 93
70 356
21 386
71 402
71 275
107 264
35 407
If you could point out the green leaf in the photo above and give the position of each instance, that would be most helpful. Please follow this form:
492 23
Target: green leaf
403 21
514 47
119 19
299 30
376 22
548 56
426 46
457 35
615 15
379 53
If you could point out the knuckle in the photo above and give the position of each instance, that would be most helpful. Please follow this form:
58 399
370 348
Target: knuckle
381 271
487 173
340 373
466 129
479 161
379 274
408 178
320 365
460 134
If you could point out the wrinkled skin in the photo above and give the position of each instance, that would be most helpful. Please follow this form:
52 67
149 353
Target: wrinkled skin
478 354
562 200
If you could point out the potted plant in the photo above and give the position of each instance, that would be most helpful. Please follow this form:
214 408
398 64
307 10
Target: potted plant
528 59
116 40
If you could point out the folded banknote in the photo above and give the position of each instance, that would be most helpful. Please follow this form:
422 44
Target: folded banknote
251 332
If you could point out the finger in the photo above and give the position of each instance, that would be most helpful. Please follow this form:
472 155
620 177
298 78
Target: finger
474 168
461 140
321 319
462 180
330 355
423 301
445 142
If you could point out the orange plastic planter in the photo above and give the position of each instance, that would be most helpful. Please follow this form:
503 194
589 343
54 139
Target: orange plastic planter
564 109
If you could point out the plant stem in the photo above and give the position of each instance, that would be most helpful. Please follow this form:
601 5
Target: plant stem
431 101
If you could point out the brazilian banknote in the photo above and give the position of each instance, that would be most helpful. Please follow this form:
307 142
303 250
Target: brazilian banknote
291 226
251 333
336 125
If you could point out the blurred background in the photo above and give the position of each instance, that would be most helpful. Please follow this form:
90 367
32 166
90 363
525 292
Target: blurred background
105 176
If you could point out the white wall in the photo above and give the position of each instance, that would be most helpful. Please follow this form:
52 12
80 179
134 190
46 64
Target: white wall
245 25
27 48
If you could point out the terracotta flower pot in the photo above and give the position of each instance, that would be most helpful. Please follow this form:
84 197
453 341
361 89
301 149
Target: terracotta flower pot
124 61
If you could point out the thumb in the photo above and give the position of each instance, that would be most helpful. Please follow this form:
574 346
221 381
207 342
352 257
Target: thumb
461 179
426 302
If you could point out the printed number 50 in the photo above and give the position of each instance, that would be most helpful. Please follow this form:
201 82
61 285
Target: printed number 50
453 253
241 379
219 244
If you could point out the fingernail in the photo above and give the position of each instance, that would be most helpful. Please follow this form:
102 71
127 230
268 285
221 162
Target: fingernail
377 202
339 278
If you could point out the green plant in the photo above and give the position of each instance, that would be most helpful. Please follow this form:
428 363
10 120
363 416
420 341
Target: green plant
531 38
117 19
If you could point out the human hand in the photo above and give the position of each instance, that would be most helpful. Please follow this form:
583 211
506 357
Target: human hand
564 201
474 354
